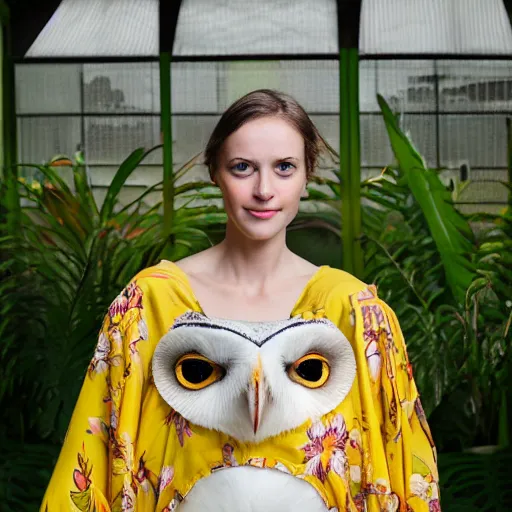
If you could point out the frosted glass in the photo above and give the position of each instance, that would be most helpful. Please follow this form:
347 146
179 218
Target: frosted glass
121 87
109 140
407 85
100 28
48 88
475 85
194 87
237 27
479 140
42 138
435 26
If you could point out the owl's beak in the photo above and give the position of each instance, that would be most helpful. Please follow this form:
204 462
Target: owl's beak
256 396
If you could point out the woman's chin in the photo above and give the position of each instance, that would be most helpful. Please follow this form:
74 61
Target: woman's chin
260 230
263 232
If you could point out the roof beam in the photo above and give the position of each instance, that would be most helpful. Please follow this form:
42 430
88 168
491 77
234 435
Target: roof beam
168 21
349 15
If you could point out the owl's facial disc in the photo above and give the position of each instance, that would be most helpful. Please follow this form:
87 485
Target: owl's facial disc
194 371
223 379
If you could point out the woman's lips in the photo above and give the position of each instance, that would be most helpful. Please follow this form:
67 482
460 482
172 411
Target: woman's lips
266 214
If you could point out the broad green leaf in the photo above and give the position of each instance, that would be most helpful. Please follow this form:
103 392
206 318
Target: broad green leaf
452 234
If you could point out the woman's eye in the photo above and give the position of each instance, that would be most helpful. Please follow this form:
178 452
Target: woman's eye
285 166
241 166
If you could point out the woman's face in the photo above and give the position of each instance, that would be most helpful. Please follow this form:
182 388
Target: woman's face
261 171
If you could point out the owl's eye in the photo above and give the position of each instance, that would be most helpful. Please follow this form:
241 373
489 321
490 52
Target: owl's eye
195 371
311 371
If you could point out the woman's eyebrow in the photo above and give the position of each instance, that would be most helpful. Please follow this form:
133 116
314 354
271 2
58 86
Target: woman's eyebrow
240 158
254 162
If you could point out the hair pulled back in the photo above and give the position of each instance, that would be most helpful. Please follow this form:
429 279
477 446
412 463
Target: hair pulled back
265 103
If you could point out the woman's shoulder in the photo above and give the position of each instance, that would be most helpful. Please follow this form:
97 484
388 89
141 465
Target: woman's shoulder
162 271
331 292
334 282
162 284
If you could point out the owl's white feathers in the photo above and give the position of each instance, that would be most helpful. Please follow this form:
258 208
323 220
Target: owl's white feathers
224 405
250 489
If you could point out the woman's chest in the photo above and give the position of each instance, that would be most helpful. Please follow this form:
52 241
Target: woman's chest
223 301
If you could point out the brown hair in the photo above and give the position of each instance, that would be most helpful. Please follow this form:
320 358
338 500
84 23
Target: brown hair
262 103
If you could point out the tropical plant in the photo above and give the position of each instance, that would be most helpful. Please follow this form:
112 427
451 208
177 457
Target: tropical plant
445 286
418 250
488 325
58 275
476 482
451 291
315 234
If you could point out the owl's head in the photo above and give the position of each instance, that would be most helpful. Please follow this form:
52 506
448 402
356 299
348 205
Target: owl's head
253 380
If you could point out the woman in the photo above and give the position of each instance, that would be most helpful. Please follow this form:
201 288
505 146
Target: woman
122 451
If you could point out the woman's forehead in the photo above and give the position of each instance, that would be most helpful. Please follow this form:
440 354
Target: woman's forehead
269 136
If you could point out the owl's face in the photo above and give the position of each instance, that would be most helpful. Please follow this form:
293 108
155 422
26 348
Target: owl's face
253 380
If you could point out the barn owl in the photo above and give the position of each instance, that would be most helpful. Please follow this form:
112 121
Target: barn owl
252 381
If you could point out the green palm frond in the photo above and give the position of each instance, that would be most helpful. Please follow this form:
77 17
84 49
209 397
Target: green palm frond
476 482
67 264
450 231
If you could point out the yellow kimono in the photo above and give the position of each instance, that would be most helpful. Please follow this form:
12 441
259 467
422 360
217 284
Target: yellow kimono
127 450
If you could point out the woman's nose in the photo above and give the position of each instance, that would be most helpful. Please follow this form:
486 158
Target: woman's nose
263 186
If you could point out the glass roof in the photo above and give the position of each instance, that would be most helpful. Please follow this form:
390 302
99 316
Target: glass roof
226 27
95 28
83 28
435 26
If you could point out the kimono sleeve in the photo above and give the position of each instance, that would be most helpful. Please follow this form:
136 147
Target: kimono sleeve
404 455
80 479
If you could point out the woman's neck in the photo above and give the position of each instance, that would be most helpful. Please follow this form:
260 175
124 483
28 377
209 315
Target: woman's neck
253 262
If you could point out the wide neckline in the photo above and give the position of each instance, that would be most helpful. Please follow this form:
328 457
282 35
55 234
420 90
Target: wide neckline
294 312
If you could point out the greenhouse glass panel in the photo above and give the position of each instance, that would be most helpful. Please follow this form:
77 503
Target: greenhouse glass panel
121 88
329 128
47 88
246 27
375 147
483 85
368 86
41 138
194 87
408 86
110 139
83 28
314 84
435 26
476 140
190 134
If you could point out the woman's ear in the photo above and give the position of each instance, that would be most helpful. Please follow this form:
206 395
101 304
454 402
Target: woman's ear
305 192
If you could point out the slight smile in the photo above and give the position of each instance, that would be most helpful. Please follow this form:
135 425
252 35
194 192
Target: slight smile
263 214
